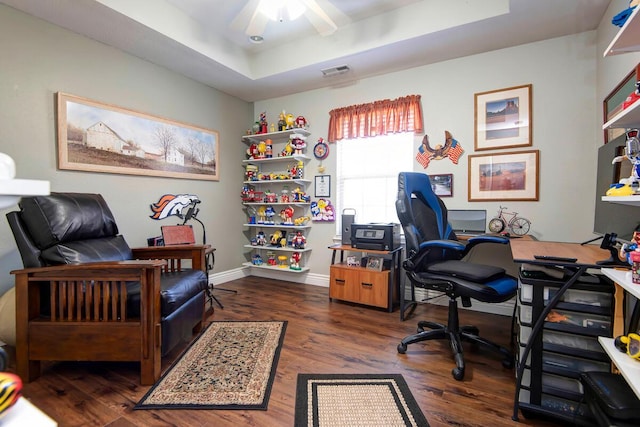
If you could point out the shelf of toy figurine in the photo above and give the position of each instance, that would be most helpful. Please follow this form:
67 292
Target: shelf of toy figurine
623 200
297 157
627 39
284 134
276 204
276 268
277 248
283 226
279 181
627 118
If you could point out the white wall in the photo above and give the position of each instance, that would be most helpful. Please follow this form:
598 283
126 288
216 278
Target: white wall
40 59
565 113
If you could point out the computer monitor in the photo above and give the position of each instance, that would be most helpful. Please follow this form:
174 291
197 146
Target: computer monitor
467 221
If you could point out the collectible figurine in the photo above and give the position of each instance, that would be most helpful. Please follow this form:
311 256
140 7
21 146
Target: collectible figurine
287 214
257 259
295 261
301 122
283 261
269 151
270 213
299 241
298 143
282 124
631 153
263 122
271 258
261 239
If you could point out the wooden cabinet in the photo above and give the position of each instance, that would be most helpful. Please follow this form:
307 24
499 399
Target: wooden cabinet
365 286
359 285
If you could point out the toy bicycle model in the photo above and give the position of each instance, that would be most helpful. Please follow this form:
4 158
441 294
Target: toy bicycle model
516 225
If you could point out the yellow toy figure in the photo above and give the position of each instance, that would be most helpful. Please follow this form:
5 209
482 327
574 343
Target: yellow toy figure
262 214
290 120
282 124
262 149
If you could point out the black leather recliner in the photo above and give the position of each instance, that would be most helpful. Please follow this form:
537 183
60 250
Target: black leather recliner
82 281
435 260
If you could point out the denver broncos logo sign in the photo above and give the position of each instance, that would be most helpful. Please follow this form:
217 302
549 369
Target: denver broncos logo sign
171 204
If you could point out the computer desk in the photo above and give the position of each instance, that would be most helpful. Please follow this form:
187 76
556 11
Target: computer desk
523 252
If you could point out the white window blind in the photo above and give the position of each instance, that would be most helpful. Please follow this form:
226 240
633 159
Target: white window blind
367 175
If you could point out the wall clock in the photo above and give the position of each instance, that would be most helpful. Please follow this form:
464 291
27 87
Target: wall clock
321 150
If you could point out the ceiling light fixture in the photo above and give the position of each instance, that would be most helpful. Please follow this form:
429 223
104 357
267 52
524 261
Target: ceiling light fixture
334 71
275 9
256 39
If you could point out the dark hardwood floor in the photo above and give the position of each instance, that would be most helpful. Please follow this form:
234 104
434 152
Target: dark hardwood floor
321 337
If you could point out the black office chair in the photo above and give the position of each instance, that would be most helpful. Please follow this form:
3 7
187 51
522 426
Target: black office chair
435 261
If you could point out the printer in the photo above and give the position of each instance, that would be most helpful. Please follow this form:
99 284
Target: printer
375 236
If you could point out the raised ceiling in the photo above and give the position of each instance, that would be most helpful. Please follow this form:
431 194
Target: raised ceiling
202 39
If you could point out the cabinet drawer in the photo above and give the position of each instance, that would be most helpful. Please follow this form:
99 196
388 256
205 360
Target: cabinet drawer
343 284
373 288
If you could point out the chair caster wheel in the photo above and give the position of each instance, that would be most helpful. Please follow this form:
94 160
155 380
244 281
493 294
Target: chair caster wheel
507 363
458 374
402 348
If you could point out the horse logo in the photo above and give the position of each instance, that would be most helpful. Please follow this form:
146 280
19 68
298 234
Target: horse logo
172 204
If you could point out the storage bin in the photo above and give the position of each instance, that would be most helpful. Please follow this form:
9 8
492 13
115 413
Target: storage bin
571 363
576 296
591 322
572 341
571 385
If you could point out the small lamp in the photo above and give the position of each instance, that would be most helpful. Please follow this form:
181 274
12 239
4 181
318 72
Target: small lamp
12 189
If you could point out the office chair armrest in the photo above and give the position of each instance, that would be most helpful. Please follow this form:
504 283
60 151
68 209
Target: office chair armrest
475 241
415 258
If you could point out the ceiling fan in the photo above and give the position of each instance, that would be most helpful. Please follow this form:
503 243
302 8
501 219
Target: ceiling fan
256 14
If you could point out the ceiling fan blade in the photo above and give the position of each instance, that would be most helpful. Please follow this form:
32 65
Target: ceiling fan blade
319 19
245 15
250 20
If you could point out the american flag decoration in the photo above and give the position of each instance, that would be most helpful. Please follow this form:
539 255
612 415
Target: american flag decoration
451 149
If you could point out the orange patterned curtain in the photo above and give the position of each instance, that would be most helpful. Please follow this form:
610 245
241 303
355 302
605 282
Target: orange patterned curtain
376 118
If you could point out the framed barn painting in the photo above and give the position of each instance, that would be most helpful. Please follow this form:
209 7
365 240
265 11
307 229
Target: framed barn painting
503 118
504 176
98 137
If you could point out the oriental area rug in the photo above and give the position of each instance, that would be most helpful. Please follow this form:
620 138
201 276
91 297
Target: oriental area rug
231 365
356 400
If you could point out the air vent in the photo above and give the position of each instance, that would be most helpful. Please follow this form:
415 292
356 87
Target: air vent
334 71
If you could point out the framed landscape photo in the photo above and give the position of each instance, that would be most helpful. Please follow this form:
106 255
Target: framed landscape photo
442 184
504 176
503 118
98 137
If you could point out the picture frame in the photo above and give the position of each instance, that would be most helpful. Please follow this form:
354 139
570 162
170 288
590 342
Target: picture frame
442 184
352 261
503 118
375 263
322 186
504 176
613 103
98 137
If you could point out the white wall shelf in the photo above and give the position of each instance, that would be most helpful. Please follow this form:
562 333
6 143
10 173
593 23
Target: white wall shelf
277 248
275 136
627 118
283 226
629 367
623 200
296 157
628 37
275 268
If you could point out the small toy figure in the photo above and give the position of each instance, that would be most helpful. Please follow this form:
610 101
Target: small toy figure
262 149
301 122
295 261
290 120
251 172
287 150
263 122
301 220
262 214
282 124
274 239
256 260
299 241
270 197
283 261
284 194
269 151
272 128
254 241
631 153
286 214
270 213
271 258
298 143
261 239
252 151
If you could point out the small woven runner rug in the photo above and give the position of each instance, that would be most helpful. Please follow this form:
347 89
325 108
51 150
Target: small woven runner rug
231 365
356 401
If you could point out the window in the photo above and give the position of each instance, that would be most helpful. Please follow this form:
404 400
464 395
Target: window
367 175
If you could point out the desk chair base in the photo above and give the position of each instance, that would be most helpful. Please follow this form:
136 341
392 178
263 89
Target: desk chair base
455 334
